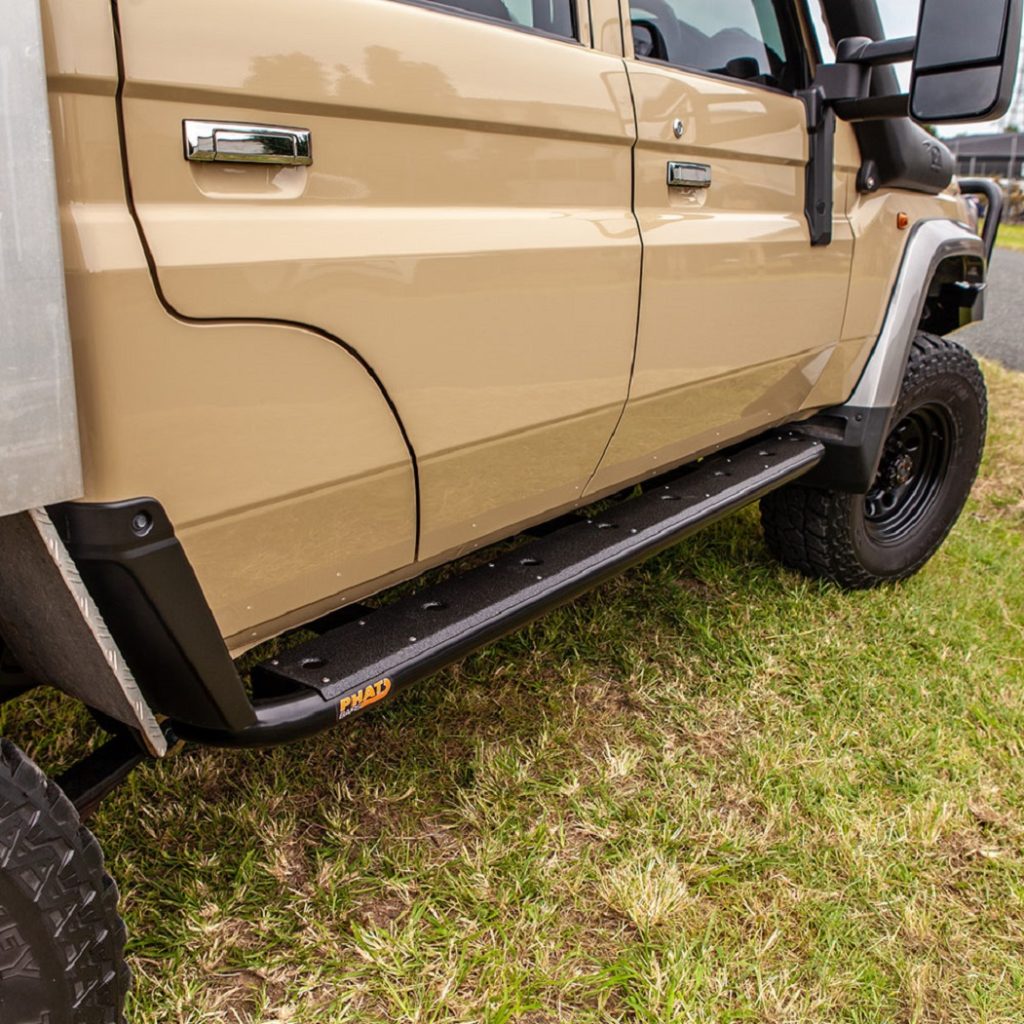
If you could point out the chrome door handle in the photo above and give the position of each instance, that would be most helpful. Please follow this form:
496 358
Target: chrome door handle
689 175
209 141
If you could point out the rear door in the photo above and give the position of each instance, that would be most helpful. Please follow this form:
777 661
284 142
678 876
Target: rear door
741 317
465 225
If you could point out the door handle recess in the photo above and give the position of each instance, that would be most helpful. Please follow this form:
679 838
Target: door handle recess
210 141
689 175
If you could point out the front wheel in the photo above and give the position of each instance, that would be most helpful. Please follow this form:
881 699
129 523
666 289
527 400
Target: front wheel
928 466
61 940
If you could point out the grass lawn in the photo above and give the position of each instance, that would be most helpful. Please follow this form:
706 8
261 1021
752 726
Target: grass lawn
711 791
1011 236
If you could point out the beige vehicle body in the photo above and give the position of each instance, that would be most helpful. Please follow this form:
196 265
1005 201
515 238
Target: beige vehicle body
462 254
480 304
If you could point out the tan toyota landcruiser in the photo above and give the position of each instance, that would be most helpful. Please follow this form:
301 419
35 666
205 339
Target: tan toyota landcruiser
301 300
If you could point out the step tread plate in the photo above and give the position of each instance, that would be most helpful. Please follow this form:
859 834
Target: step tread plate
418 634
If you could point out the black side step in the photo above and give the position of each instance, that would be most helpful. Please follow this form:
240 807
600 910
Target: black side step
363 662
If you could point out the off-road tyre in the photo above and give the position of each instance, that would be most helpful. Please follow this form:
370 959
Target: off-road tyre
61 939
938 437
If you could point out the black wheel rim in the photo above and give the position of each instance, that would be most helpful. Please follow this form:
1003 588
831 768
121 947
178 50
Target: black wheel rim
914 467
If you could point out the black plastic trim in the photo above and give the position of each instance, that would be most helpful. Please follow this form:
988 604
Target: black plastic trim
364 662
853 438
819 194
140 578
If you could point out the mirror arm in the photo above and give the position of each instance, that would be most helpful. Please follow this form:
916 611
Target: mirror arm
870 54
846 83
841 90
873 108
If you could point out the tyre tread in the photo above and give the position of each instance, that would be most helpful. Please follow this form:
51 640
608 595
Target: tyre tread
78 893
807 528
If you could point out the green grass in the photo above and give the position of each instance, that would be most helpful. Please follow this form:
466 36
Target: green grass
1011 236
711 791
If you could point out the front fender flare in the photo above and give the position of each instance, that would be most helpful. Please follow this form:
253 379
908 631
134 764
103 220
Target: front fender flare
854 433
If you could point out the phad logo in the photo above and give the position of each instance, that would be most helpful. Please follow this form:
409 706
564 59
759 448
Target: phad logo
363 698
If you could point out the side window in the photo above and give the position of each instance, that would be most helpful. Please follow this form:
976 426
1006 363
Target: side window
826 50
752 40
555 17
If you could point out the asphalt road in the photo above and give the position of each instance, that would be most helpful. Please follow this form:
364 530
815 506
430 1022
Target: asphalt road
1001 334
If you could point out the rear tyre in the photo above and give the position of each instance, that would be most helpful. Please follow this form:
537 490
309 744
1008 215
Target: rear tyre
929 464
61 939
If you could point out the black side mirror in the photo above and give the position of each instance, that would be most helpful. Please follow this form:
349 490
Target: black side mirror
965 64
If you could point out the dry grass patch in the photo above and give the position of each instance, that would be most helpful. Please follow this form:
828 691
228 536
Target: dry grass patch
711 791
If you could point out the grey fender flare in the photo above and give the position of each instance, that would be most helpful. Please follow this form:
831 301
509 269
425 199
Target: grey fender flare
854 433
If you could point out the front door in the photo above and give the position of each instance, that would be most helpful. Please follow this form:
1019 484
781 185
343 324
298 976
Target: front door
741 316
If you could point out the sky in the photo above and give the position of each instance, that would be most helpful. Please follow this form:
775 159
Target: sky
900 19
899 16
